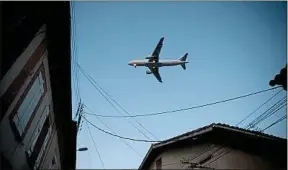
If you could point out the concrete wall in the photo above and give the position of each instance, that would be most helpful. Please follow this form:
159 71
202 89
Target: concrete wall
11 149
235 159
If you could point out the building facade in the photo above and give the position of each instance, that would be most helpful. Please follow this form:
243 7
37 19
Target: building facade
218 146
31 132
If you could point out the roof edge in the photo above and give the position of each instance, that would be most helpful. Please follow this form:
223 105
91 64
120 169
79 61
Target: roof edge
203 130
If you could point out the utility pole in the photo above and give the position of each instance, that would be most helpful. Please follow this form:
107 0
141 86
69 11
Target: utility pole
280 79
79 114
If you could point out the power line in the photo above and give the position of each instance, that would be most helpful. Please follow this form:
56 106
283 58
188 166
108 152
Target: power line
229 150
210 148
121 107
243 120
117 103
74 59
185 109
126 143
90 79
115 135
259 107
269 112
165 112
95 146
274 123
271 125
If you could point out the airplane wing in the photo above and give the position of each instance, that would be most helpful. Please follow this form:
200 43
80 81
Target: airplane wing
157 51
155 71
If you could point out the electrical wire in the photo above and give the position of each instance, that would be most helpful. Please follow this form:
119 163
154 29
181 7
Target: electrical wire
118 104
75 71
274 123
126 143
88 128
128 122
76 55
115 135
271 125
229 150
73 52
259 107
244 120
165 112
121 107
185 109
269 112
177 110
116 109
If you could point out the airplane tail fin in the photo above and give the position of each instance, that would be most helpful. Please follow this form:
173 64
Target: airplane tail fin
184 59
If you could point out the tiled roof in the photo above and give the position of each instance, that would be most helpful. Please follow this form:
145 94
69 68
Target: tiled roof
216 125
249 131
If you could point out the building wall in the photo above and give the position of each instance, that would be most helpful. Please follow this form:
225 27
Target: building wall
235 159
12 149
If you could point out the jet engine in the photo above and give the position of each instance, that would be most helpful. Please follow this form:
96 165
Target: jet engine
148 72
135 65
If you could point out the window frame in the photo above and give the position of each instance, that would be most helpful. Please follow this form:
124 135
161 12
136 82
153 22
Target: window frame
19 137
35 159
37 131
43 150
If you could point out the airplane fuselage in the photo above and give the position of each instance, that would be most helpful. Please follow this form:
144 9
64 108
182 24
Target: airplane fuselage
153 63
160 63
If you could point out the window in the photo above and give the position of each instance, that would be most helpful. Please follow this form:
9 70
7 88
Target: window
43 149
159 163
38 153
28 104
38 129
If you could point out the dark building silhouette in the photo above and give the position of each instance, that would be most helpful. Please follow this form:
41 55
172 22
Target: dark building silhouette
36 126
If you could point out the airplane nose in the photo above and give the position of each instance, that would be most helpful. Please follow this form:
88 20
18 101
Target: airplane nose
130 63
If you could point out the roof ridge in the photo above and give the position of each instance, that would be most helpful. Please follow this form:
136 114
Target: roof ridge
219 125
248 130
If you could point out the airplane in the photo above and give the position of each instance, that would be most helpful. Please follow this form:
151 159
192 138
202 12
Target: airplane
153 62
